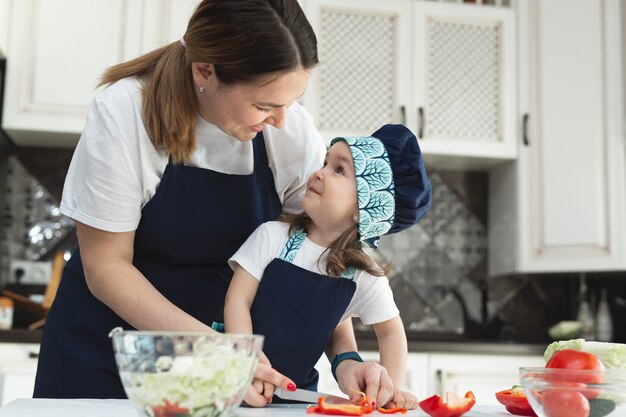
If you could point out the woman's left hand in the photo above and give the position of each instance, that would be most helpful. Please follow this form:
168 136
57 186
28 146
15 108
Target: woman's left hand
261 391
368 377
403 399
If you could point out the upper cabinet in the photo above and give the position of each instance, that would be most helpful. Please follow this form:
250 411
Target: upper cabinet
58 49
445 70
561 206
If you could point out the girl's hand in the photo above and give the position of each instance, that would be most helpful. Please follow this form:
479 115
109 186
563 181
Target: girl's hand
403 399
368 377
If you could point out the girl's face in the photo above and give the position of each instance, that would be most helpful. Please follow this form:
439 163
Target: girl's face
242 111
330 199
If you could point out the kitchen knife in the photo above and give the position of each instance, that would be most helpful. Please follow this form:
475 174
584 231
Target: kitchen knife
307 396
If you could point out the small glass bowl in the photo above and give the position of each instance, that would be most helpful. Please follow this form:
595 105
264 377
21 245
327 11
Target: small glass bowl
554 392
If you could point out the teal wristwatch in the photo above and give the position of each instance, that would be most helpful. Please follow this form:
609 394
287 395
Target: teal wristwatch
342 357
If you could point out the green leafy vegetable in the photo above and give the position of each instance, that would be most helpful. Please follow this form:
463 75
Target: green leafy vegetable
613 355
600 407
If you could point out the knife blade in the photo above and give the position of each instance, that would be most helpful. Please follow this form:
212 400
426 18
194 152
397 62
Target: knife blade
307 396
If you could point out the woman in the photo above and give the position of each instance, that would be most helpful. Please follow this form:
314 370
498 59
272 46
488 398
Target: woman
184 153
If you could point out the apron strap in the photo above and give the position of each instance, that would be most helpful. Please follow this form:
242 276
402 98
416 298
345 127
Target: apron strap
293 244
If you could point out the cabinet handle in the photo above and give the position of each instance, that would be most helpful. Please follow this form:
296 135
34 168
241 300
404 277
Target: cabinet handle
403 115
420 122
525 129
439 388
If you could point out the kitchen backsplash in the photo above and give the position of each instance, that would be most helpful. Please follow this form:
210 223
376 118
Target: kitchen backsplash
439 267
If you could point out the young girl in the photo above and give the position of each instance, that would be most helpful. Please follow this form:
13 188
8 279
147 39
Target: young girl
296 280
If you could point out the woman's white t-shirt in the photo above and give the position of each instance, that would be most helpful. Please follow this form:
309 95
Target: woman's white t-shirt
116 170
373 299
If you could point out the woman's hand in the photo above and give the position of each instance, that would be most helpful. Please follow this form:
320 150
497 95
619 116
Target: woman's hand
403 399
261 391
368 377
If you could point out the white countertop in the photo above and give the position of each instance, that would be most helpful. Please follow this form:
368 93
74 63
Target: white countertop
29 407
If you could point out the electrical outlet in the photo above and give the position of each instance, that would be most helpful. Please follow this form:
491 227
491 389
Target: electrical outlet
30 272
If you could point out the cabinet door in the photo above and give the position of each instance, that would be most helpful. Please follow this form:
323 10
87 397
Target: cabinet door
17 381
5 12
165 21
17 371
561 207
362 80
484 375
56 53
417 375
464 81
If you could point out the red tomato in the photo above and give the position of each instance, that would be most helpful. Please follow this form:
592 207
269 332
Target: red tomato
169 410
565 403
575 360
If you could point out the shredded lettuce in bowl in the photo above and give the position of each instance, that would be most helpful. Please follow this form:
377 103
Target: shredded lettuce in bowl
208 382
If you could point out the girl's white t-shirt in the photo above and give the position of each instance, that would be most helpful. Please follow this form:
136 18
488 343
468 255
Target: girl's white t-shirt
373 299
115 169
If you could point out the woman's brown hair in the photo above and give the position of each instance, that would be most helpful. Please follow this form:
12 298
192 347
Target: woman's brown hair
245 40
345 252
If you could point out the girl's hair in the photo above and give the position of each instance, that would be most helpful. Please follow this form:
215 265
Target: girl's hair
345 252
247 41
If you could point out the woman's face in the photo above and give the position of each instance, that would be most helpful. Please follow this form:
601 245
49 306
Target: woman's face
242 111
331 199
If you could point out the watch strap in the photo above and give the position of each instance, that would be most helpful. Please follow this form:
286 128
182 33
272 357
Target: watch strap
342 357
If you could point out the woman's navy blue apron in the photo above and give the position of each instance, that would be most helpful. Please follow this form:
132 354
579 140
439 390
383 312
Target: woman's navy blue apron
196 220
297 311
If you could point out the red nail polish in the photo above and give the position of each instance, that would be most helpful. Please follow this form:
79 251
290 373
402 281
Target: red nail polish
374 404
291 387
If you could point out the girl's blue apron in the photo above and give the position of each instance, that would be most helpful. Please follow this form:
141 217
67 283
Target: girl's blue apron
196 220
297 311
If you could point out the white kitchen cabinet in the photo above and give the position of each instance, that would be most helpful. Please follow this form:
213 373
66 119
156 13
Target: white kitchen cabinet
482 374
4 25
561 206
165 21
58 49
447 71
17 370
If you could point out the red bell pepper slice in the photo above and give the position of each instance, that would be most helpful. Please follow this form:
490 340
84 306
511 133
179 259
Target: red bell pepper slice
349 409
454 406
392 410
515 401
170 410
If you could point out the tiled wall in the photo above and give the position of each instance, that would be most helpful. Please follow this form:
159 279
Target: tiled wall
33 228
439 274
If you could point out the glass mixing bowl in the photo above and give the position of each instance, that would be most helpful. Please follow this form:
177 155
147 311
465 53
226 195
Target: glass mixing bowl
185 374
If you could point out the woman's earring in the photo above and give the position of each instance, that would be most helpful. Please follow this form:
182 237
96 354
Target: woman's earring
201 89
356 219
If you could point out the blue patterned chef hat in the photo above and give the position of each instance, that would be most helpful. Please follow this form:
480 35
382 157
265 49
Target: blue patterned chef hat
393 190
